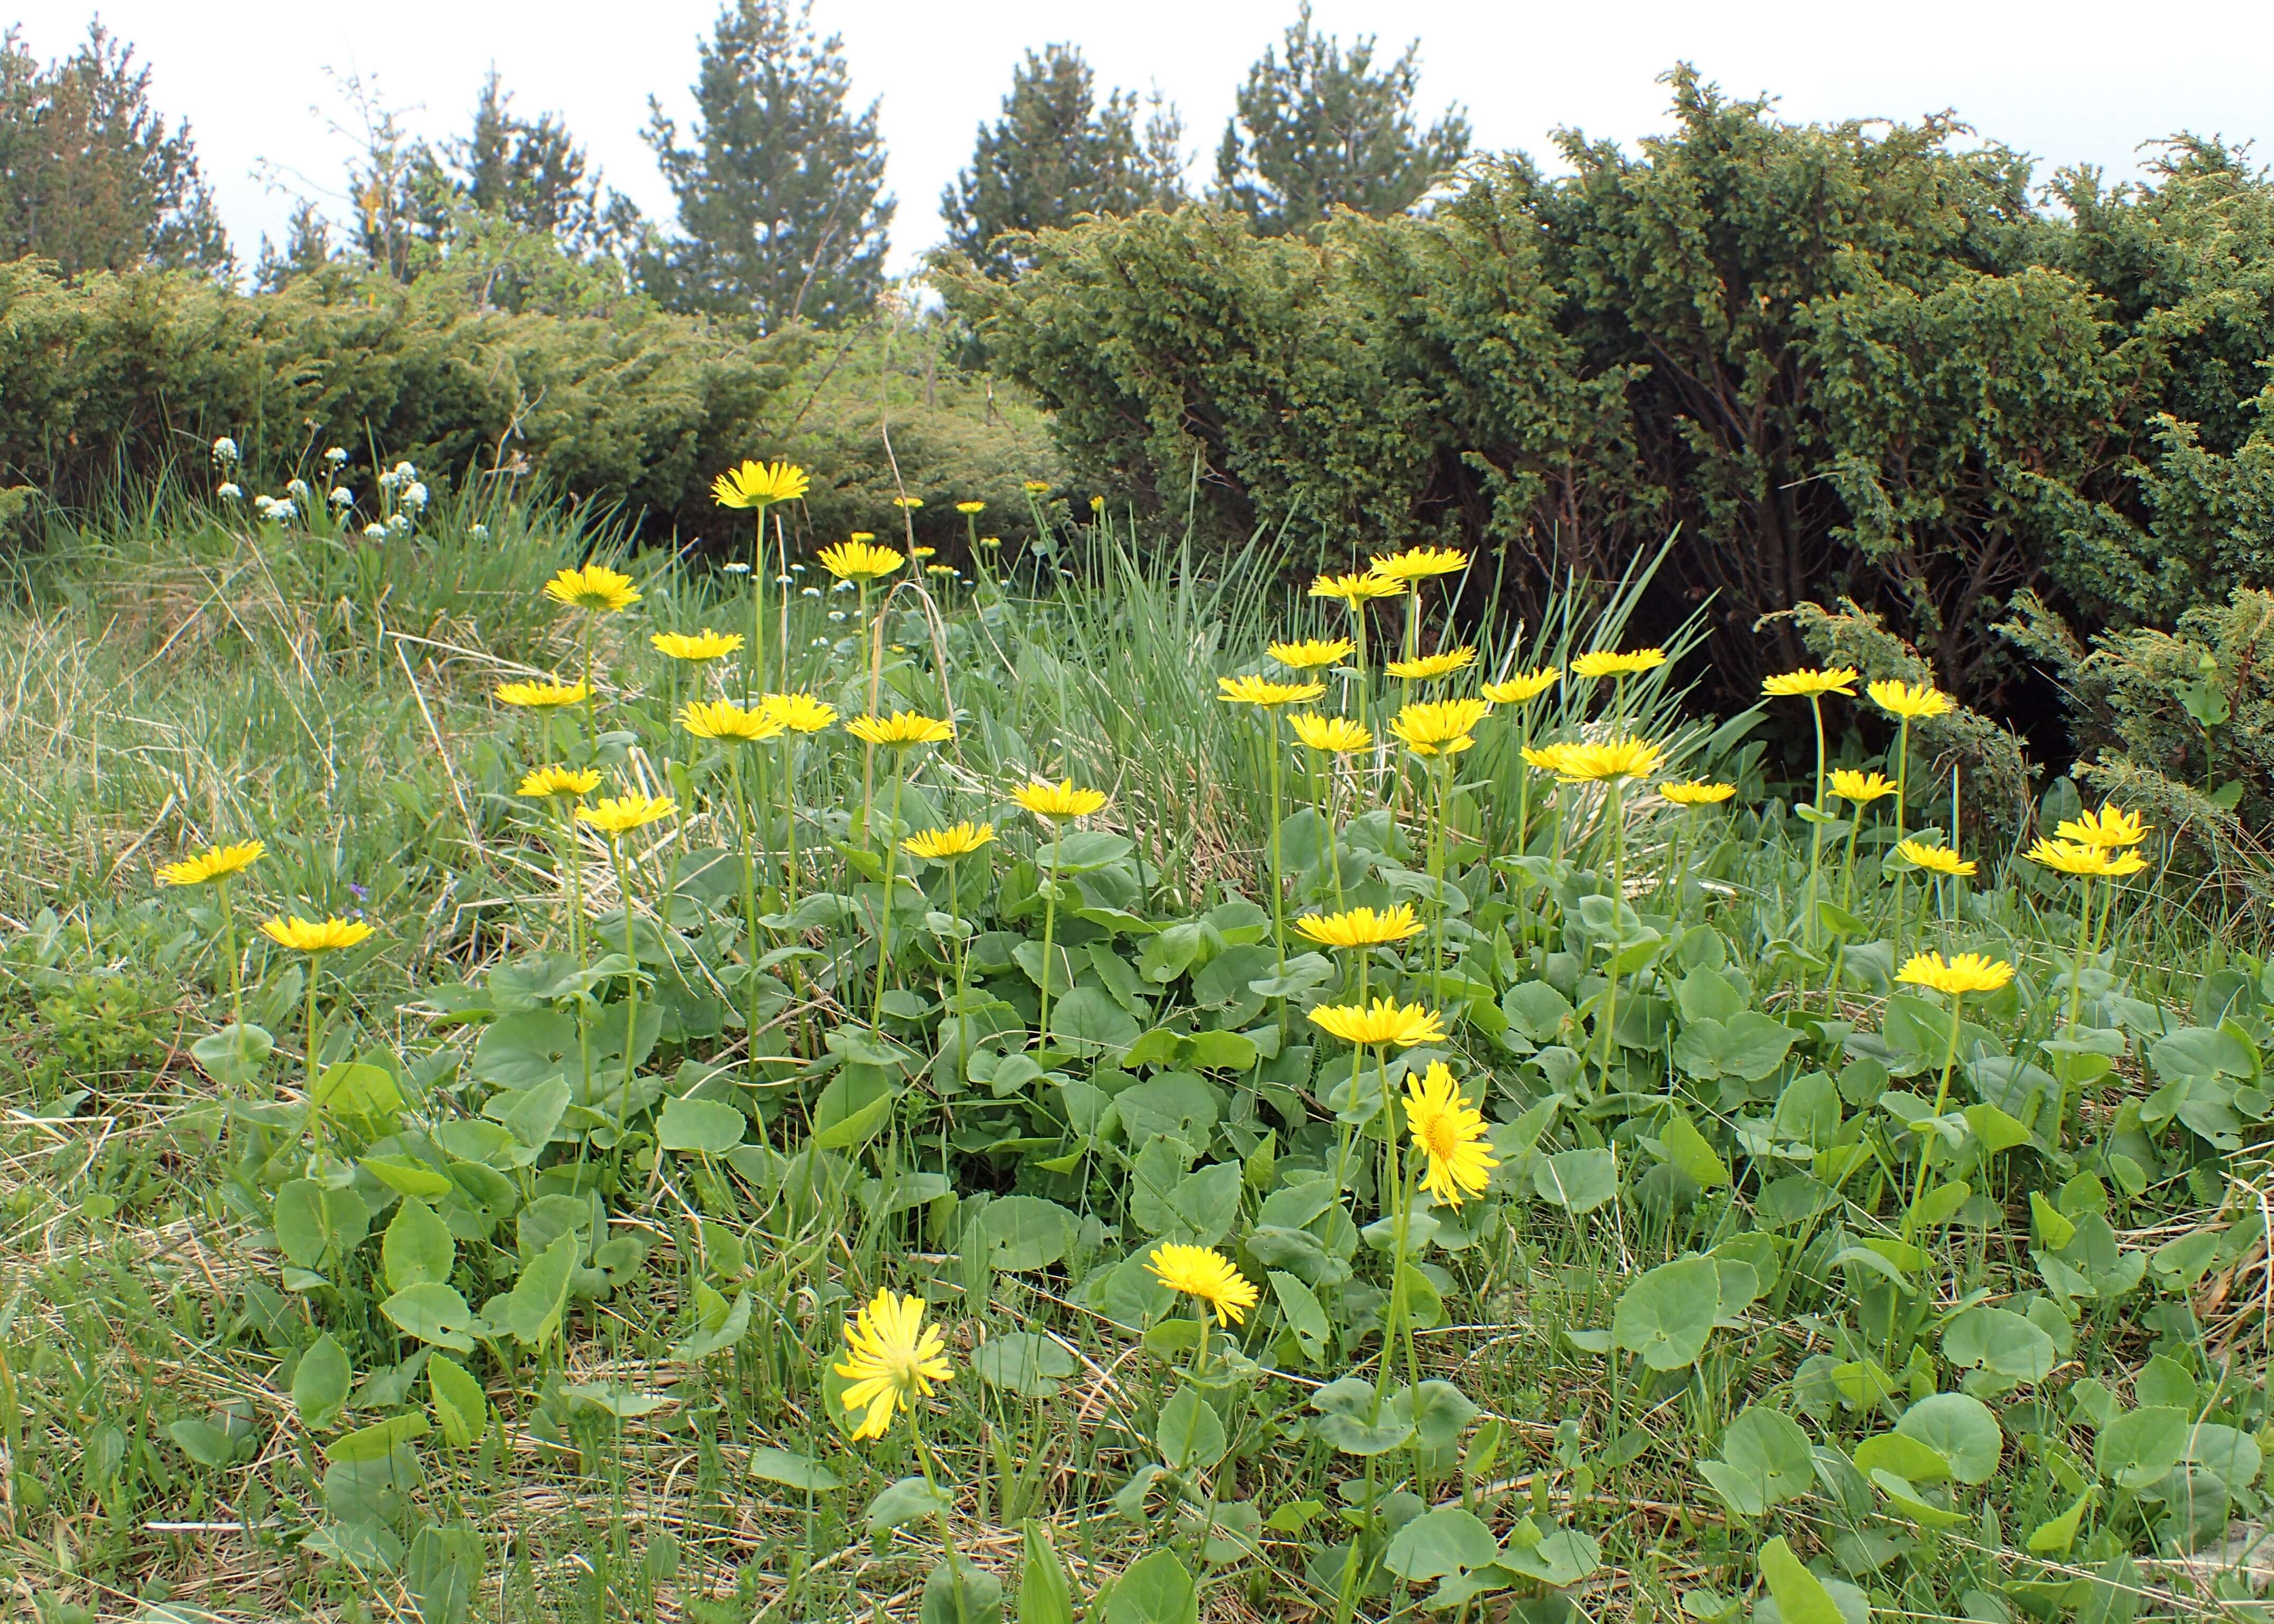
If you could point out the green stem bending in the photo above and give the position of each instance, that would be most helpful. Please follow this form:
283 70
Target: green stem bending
1049 933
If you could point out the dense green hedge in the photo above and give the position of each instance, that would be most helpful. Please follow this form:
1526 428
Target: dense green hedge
1844 360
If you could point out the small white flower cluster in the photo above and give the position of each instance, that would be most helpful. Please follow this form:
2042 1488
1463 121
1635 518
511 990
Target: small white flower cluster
479 532
336 456
394 478
374 532
341 496
229 491
842 586
277 510
297 489
224 453
811 591
738 568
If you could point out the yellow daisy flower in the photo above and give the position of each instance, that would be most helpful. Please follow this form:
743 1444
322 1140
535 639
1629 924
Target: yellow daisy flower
1967 973
310 936
1545 757
892 1359
1357 588
858 561
1935 859
1037 487
723 718
924 552
1058 801
1360 927
900 731
1264 692
970 507
1420 563
757 484
2070 857
1439 726
799 712
1608 663
543 696
546 783
215 862
1313 653
1913 701
1206 1273
1450 1134
1696 793
908 503
620 814
1428 667
1523 688
955 840
1337 735
1863 788
698 648
1613 758
1812 684
1384 1021
2111 826
595 588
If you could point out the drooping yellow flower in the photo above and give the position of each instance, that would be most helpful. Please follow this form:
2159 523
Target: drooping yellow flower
1545 757
1612 758
2111 826
1523 688
1811 683
2070 857
1204 1273
1360 927
1439 726
1313 653
908 503
620 814
1913 701
1357 588
1967 973
1696 793
1420 563
1608 663
595 588
759 484
799 712
543 696
858 561
955 840
1263 692
551 783
1384 1021
1935 859
892 1359
1428 667
902 730
1058 801
1450 1134
311 936
1337 735
1863 788
723 718
970 507
212 863
698 648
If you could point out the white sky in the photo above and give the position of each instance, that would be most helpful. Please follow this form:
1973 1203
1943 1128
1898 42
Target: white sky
2086 80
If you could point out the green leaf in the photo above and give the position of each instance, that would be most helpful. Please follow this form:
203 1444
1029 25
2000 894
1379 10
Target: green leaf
1765 1459
1343 1407
233 1055
405 1176
1087 1022
204 1442
320 1387
1190 1434
1440 1542
720 1324
355 1090
1152 1590
1024 1232
2140 1447
1045 1595
1801 1597
2001 1341
855 1128
1961 1429
795 1471
460 1406
418 1249
1689 1151
904 1500
533 1308
1440 1413
2055 1535
311 1221
706 1127
1306 1317
432 1312
1667 1313
1579 1181
1906 1456
1024 1363
443 1573
958 1591
377 1440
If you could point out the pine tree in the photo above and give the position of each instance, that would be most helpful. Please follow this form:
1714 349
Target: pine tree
89 176
1324 129
780 190
1056 152
532 173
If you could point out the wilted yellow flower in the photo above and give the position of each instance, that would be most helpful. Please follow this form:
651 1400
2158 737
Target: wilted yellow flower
1263 691
756 485
1337 735
1967 973
799 712
858 561
1863 788
1439 726
1696 794
723 718
1612 758
1607 663
1936 859
1812 684
1523 687
1058 801
310 936
892 1359
1912 701
620 814
1312 653
543 696
548 783
900 731
1356 589
1450 1134
595 588
955 840
1420 563
969 507
1432 665
214 863
1206 1273
1384 1021
1360 927
2111 826
697 648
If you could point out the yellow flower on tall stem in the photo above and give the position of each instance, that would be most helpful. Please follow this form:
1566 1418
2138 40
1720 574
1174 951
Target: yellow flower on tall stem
1813 686
892 1359
217 866
1268 697
1359 927
315 938
1518 691
1430 667
1694 797
948 848
1209 1277
695 648
1410 567
1054 804
900 733
563 787
1438 730
1328 737
1355 592
800 715
1907 703
722 721
594 590
2084 863
616 817
2110 828
1611 762
543 696
1312 653
1955 977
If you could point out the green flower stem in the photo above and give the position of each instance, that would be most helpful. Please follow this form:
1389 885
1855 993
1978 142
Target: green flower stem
2083 936
1941 1099
1847 901
1322 789
746 814
570 860
228 948
754 669
789 820
963 985
884 912
868 750
1437 880
1815 824
1902 804
1611 788
1049 933
1357 1077
308 1064
631 955
1278 881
